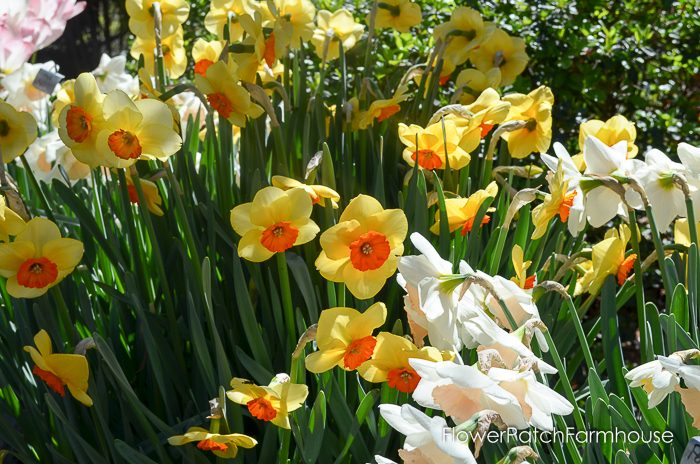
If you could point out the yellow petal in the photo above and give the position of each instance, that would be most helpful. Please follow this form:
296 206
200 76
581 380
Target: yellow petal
12 255
66 253
39 231
240 218
360 208
250 248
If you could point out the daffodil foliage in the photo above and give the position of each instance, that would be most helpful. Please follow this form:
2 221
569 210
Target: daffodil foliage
261 249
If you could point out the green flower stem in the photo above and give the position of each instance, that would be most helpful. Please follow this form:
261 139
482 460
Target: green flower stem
37 188
63 314
568 390
287 304
659 252
639 288
580 334
158 257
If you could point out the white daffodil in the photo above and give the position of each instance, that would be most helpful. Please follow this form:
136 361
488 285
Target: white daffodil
656 381
428 439
111 74
662 376
462 391
429 303
511 349
656 177
519 302
19 90
537 400
602 203
690 157
577 217
382 460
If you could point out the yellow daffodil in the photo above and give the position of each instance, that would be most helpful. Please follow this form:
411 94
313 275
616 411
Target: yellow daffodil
504 52
64 97
681 231
461 212
226 12
10 222
141 19
335 29
535 109
38 259
206 53
610 132
226 95
17 131
344 338
486 111
59 371
381 110
150 193
401 15
81 120
521 266
470 83
174 54
317 193
136 130
609 258
362 250
273 222
257 48
272 403
557 202
464 32
390 362
224 446
431 149
294 23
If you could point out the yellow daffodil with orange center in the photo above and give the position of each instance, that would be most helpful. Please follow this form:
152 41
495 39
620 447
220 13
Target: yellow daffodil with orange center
206 53
174 54
433 144
390 362
334 30
273 222
400 15
503 52
150 193
38 259
362 250
380 110
557 202
318 193
610 132
521 266
136 130
59 371
461 212
609 258
81 121
17 131
224 13
535 109
142 21
470 84
222 445
10 222
272 403
464 32
344 338
488 110
226 95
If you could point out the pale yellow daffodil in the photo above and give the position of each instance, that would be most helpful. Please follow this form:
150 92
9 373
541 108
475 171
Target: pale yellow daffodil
271 403
461 212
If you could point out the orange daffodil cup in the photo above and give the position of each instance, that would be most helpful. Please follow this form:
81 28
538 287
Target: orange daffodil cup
362 250
273 222
38 259
59 371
